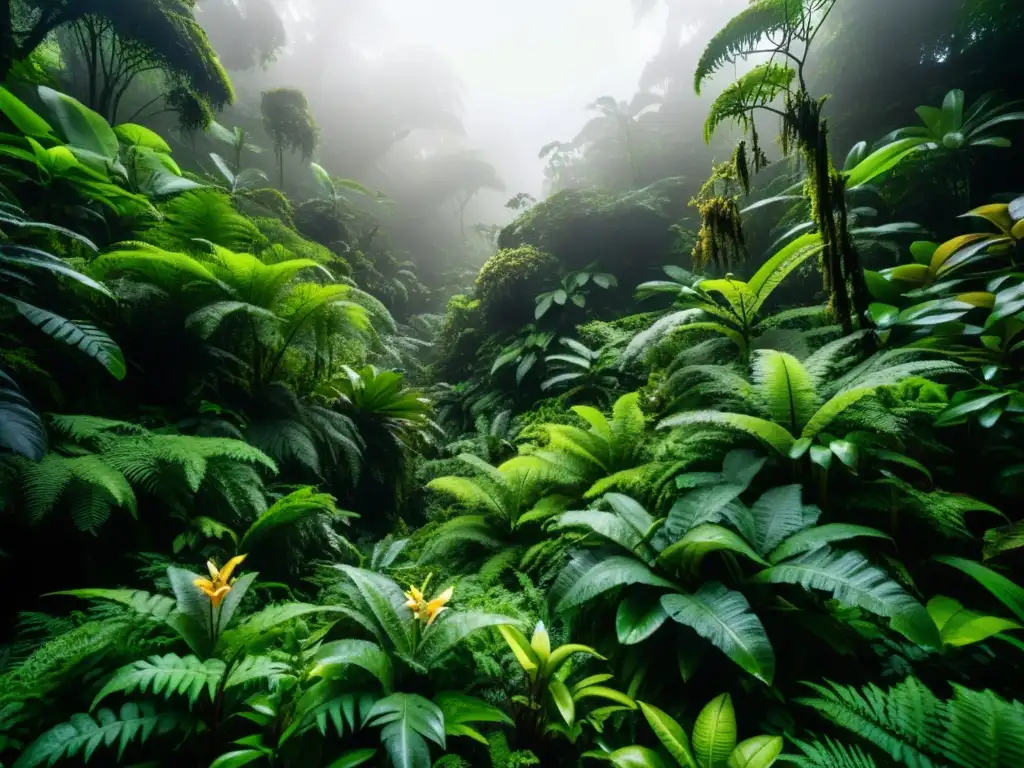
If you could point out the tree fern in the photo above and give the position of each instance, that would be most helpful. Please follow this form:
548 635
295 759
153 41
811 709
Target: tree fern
91 485
170 271
759 87
204 214
743 32
83 733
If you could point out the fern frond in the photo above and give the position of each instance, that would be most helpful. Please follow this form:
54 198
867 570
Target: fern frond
168 675
93 486
767 432
299 505
984 730
827 753
743 32
83 733
757 88
204 214
907 722
457 533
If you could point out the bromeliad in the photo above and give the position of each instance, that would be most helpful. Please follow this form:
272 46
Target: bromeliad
219 584
427 610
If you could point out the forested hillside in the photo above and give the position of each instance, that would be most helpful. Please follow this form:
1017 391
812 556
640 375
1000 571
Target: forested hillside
711 455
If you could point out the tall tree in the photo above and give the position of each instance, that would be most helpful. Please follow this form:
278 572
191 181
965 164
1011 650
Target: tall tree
289 123
117 41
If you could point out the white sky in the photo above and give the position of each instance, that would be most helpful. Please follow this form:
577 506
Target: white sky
529 67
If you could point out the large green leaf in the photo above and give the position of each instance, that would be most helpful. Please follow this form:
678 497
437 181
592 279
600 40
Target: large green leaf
633 756
406 721
563 700
777 515
1007 592
298 505
688 553
604 524
714 732
670 734
82 127
756 752
353 757
84 734
781 264
609 573
21 428
882 160
639 616
358 653
24 118
85 337
786 387
141 136
767 432
819 536
853 580
959 626
452 629
386 603
724 618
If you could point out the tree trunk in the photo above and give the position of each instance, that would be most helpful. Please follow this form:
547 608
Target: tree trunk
280 168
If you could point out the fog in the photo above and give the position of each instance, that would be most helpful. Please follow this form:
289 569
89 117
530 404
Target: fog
527 69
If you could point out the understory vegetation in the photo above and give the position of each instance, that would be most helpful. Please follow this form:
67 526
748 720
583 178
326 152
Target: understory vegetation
717 472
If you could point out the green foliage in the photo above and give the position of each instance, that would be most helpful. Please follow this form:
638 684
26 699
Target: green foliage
914 727
84 733
507 276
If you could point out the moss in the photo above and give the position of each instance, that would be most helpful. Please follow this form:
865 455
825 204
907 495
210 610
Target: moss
627 235
280 234
508 283
460 338
600 333
319 221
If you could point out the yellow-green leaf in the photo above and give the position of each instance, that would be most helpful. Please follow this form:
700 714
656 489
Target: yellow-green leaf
714 733
670 734
758 752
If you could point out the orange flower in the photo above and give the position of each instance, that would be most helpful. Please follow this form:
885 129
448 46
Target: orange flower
219 584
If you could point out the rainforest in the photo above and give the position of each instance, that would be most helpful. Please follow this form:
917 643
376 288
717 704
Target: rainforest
558 383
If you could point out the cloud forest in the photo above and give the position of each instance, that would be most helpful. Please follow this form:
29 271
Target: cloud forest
566 383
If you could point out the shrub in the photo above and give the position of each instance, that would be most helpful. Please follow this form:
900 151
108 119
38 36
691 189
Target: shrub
508 282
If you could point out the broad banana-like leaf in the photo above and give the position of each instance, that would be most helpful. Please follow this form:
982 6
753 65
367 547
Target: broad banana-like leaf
724 618
819 536
714 732
609 573
853 580
670 734
357 653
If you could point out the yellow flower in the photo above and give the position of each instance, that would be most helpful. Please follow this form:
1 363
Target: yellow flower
423 609
437 606
219 584
415 598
